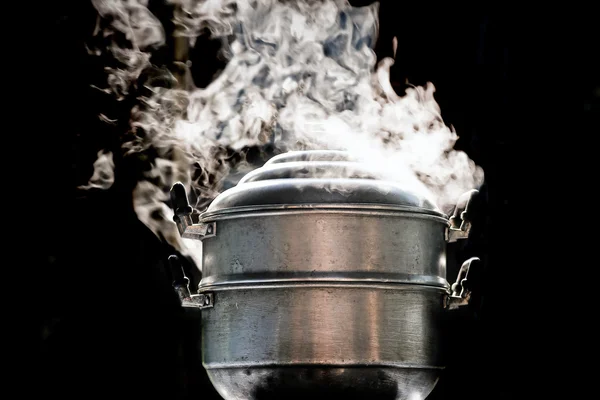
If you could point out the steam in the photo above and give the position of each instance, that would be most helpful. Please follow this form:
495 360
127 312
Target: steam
104 172
300 75
130 32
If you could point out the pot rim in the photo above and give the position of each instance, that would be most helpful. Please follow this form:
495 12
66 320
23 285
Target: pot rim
445 288
386 210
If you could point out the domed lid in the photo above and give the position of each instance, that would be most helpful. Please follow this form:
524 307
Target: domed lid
313 179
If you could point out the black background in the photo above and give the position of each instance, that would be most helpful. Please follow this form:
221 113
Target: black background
110 323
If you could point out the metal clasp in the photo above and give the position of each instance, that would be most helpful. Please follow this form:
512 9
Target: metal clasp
460 225
181 286
183 216
461 293
201 301
200 231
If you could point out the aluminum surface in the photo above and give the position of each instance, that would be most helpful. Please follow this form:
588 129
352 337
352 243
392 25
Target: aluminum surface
315 382
318 190
309 177
327 245
253 333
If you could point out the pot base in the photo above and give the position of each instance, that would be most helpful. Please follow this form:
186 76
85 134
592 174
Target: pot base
310 382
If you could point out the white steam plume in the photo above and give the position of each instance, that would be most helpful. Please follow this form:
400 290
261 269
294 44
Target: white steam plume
300 75
104 172
132 32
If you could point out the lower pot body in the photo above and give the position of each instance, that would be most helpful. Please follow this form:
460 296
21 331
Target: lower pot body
303 339
317 382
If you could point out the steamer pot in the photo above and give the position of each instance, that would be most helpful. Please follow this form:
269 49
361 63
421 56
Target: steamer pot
319 279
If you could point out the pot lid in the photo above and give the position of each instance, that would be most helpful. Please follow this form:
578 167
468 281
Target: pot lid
318 178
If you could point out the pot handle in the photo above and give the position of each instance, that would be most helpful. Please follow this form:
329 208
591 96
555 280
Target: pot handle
461 290
183 216
460 224
181 284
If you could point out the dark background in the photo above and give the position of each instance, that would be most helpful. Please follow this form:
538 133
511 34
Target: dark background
109 323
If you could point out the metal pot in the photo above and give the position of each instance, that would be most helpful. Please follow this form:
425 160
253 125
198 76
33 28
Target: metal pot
318 278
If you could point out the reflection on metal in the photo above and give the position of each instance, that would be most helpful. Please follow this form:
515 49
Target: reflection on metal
381 342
